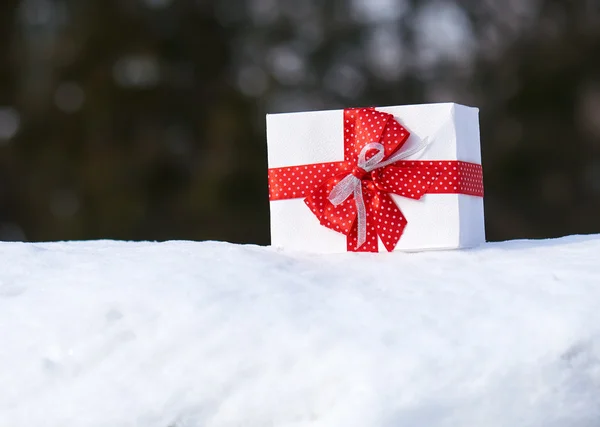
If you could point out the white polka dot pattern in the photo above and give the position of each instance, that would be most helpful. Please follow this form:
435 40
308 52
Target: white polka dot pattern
411 179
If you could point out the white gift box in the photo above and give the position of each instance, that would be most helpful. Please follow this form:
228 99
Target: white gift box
436 221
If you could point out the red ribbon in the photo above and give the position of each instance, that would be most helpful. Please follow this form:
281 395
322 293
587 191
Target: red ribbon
412 179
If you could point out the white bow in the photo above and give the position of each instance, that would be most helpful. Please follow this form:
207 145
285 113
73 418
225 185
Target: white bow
352 185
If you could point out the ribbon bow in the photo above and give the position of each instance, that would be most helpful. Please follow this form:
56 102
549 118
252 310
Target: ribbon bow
357 202
352 183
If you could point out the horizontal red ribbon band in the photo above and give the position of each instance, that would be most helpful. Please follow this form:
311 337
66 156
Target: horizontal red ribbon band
455 177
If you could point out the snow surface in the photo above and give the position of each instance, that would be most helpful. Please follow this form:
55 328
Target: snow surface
117 334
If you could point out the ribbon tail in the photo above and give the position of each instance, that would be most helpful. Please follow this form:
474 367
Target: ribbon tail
371 240
390 222
361 212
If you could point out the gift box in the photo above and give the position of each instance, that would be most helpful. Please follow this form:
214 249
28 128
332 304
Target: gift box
402 178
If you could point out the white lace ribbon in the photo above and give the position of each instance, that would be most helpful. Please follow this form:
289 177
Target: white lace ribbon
352 185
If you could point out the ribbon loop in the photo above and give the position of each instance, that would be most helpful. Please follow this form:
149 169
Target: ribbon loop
371 164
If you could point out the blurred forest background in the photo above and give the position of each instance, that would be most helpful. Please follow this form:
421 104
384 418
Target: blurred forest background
145 119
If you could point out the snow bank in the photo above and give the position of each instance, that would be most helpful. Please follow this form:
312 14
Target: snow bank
218 335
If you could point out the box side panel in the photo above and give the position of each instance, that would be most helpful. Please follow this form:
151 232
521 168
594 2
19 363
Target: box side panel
433 222
467 134
472 221
299 139
433 121
472 224
294 227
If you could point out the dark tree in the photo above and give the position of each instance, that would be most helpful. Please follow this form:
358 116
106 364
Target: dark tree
144 119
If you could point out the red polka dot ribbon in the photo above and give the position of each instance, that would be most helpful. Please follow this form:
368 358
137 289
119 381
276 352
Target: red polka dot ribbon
407 178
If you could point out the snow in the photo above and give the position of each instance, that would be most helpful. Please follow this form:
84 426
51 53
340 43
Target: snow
212 334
